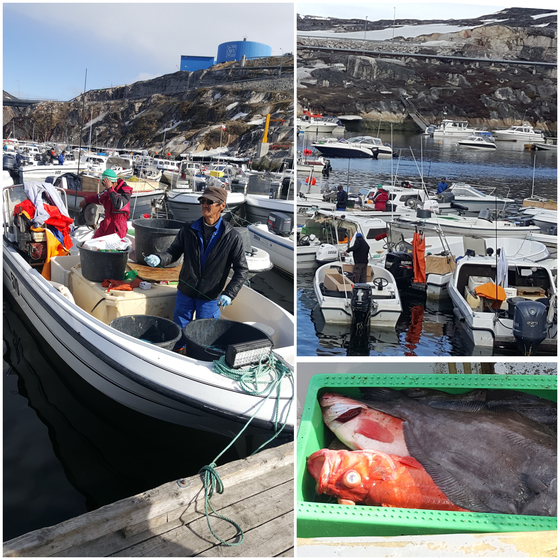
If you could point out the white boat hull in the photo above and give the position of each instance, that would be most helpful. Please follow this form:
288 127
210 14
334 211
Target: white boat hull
151 380
280 249
258 207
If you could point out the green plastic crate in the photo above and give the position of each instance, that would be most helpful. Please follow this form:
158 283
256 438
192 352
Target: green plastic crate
316 519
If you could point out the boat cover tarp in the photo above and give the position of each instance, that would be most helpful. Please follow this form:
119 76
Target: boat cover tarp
419 257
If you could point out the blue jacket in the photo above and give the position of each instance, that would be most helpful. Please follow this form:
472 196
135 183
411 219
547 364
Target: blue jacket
441 187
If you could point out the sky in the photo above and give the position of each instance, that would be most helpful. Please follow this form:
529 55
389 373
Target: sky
443 9
49 47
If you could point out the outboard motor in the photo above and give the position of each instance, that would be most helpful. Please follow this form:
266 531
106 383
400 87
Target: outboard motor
529 325
279 223
401 266
360 305
445 197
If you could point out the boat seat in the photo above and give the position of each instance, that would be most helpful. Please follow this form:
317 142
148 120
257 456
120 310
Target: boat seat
335 282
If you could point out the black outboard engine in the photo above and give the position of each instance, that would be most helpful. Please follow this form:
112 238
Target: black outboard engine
446 197
360 304
529 325
279 223
401 266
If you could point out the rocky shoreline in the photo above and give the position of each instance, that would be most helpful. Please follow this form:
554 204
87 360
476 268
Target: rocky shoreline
379 82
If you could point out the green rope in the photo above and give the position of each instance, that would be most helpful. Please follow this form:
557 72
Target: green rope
249 380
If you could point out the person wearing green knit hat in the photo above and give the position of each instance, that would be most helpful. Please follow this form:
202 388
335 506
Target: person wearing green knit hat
115 199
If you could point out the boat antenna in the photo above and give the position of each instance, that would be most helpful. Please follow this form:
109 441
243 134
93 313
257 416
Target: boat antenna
534 165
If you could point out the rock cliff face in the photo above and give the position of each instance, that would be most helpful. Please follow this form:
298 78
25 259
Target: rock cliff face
186 109
444 74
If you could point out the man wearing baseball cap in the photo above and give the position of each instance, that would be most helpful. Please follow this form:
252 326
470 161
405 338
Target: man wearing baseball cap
115 199
211 248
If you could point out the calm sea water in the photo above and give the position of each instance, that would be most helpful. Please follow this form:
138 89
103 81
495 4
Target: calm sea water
68 449
424 329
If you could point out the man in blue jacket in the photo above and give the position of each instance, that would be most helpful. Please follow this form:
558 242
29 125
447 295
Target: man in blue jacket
211 247
442 185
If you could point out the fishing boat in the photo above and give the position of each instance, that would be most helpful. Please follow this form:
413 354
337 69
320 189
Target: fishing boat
474 200
258 207
73 315
441 253
276 237
184 206
342 301
357 147
505 303
309 122
473 226
39 172
326 235
453 128
519 133
478 142
546 220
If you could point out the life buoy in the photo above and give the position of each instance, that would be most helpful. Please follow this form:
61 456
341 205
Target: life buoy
313 180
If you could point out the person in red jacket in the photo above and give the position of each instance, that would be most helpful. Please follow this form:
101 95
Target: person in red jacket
116 201
380 199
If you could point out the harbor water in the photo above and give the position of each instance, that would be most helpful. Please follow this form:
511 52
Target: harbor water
424 328
69 449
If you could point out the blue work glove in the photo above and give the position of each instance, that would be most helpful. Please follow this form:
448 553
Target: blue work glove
152 260
223 301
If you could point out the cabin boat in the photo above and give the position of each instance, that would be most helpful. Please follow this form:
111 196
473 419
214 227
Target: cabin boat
309 122
519 133
357 147
452 128
341 299
522 314
74 314
474 200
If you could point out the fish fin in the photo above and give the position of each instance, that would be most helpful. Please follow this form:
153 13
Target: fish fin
459 406
534 484
410 462
344 502
380 394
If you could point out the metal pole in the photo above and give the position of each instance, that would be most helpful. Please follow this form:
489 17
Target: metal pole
394 16
365 29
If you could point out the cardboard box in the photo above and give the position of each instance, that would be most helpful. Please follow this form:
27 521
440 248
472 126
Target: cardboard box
438 264
336 282
316 518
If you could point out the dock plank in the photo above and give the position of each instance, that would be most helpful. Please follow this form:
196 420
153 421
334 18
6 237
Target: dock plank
260 512
128 537
83 533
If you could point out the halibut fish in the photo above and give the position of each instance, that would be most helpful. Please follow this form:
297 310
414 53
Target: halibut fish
483 461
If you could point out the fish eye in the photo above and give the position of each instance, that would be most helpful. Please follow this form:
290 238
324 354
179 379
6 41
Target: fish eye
351 479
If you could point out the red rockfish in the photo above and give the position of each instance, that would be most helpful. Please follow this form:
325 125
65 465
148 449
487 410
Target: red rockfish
360 427
375 478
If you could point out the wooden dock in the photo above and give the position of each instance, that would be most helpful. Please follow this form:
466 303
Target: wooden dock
170 520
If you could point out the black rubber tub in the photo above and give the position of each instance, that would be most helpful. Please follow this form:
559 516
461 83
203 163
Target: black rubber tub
103 265
156 330
154 235
208 339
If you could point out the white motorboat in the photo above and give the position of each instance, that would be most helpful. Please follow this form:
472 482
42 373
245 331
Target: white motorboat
38 173
453 128
357 147
522 313
442 252
520 133
474 200
340 299
326 235
309 122
310 166
185 205
143 376
545 220
478 142
473 226
279 247
258 207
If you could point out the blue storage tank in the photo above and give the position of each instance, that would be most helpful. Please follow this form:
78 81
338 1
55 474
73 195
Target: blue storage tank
235 50
193 63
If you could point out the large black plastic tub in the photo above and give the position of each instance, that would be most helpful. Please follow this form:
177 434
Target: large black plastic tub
154 235
103 265
208 339
156 330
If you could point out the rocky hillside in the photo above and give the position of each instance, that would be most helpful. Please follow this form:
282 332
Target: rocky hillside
185 110
482 73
